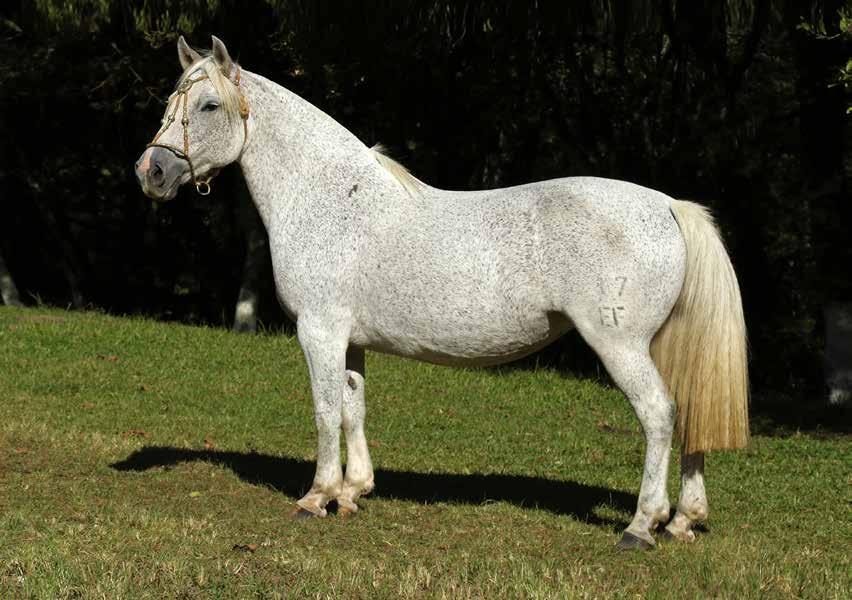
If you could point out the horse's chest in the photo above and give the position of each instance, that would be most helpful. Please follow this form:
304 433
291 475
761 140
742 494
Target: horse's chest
310 266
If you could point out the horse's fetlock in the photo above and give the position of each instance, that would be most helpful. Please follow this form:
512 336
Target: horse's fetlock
313 505
657 511
354 488
697 512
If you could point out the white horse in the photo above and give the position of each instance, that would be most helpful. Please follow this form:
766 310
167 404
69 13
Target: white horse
367 257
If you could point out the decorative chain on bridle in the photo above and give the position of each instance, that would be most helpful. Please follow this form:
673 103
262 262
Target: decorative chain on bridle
202 186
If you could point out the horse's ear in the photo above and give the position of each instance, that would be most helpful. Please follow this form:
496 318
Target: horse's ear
186 54
221 56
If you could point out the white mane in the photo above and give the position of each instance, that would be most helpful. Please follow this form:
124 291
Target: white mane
409 182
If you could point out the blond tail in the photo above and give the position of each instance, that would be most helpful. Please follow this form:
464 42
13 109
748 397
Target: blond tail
701 349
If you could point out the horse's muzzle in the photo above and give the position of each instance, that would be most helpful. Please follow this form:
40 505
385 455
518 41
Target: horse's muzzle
158 172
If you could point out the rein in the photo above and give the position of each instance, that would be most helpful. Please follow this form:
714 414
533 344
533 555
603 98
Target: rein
202 186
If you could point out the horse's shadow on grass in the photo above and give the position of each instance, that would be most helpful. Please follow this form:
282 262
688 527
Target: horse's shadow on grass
289 476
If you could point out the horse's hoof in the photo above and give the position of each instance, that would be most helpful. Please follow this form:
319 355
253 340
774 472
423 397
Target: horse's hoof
633 542
300 514
345 513
666 535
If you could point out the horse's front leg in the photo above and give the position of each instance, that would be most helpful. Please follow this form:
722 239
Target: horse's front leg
324 345
359 469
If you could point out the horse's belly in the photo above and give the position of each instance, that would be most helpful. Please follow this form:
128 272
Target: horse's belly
458 340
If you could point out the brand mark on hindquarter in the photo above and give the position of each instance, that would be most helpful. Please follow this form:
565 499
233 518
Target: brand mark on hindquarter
612 316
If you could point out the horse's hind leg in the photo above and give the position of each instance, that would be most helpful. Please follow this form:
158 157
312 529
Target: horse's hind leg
630 366
692 505
637 376
359 470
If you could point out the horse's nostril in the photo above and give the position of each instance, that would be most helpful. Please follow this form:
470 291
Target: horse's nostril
156 174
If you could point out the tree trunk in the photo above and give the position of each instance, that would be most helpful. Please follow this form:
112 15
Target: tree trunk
254 268
8 291
838 352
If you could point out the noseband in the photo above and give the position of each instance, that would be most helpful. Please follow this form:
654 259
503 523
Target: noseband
202 186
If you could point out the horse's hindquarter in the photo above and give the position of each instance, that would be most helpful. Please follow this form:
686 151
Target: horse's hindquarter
486 277
614 255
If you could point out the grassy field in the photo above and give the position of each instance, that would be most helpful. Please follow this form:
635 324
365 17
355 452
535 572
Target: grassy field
149 460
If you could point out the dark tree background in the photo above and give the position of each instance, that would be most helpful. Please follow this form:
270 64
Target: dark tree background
739 104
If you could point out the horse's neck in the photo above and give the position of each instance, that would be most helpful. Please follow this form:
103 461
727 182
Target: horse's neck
297 157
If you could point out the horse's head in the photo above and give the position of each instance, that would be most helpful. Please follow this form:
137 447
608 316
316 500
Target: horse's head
204 127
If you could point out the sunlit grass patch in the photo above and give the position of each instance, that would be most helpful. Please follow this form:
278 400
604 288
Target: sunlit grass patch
141 459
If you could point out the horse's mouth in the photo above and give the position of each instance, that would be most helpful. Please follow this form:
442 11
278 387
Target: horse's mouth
161 196
168 197
167 193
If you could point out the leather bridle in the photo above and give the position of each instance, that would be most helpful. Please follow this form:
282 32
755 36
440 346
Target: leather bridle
202 186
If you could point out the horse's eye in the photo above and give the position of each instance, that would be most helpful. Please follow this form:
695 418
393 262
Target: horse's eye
209 107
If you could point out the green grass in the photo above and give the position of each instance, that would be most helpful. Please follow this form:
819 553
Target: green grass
141 459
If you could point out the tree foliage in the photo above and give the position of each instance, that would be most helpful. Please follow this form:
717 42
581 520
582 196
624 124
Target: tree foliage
739 104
